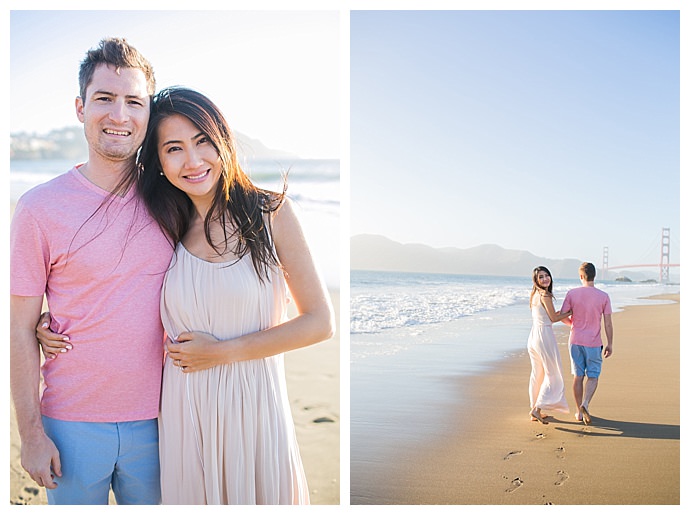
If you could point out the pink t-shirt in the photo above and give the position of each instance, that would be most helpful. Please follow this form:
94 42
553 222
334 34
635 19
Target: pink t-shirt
102 275
588 304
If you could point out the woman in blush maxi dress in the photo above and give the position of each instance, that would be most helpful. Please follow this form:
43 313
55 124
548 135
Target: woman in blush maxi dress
546 387
226 433
225 426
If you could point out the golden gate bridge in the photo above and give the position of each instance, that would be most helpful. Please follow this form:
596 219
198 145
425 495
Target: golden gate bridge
664 264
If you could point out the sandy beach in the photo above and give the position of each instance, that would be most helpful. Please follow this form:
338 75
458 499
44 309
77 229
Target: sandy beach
313 376
492 453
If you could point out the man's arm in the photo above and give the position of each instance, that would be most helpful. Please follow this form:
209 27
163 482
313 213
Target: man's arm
567 307
608 328
38 452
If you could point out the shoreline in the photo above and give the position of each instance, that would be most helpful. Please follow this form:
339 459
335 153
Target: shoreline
491 453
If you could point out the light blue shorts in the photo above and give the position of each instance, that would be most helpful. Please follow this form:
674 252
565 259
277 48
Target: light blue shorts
96 456
585 361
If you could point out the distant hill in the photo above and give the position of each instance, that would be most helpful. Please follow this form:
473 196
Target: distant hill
372 252
69 143
253 148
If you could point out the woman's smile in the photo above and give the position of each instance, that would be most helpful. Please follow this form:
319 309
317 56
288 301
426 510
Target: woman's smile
198 177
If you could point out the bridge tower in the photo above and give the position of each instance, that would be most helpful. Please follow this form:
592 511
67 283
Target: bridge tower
605 263
665 255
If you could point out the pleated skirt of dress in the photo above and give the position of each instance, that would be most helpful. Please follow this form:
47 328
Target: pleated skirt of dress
227 436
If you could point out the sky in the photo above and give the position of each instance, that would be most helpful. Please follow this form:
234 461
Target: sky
554 132
274 74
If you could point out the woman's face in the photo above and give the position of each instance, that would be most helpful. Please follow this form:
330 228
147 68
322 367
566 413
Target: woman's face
189 159
543 279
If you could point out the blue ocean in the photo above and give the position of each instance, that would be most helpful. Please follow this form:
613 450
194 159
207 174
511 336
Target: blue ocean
391 312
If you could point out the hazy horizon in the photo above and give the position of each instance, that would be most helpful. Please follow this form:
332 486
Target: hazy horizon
441 247
385 254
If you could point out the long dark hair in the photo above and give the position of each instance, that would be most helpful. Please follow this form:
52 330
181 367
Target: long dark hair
238 205
535 284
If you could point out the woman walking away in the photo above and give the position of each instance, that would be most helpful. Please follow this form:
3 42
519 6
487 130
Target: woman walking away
546 388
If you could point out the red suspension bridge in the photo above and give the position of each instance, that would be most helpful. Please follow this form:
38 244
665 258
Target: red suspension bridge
664 263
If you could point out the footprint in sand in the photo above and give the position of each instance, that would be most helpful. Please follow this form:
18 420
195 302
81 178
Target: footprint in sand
321 420
511 454
27 495
514 485
560 453
562 477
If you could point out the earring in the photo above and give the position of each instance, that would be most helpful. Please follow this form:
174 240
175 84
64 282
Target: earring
161 173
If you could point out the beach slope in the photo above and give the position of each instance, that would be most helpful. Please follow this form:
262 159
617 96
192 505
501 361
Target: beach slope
494 454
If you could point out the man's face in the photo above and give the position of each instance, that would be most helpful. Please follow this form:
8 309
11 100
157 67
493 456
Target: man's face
115 112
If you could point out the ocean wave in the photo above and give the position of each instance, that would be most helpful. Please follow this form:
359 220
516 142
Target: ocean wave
373 313
385 301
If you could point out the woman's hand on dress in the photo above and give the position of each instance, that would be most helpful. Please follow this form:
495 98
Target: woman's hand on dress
52 344
194 351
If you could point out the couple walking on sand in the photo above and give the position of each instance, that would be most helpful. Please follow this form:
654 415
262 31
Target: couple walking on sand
582 309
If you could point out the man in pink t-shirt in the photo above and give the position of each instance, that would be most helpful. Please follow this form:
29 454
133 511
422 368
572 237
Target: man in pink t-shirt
86 241
588 304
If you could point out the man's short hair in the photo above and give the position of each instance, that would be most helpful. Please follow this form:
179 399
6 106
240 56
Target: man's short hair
118 53
588 270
